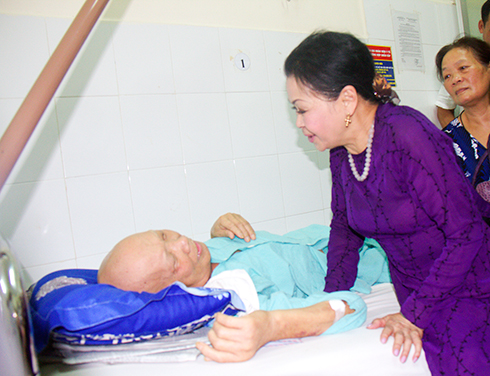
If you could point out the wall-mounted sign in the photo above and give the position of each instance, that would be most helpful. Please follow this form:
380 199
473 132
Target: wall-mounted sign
383 62
408 41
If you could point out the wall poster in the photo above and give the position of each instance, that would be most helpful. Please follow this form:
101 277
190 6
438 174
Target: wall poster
408 40
383 62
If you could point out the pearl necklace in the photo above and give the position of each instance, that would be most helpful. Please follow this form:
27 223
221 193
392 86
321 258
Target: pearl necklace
367 162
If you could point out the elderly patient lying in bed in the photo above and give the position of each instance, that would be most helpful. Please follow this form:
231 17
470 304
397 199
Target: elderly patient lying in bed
287 272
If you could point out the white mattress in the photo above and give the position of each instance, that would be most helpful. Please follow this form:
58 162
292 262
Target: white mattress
358 352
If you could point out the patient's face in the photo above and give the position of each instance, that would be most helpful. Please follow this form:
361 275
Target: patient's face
152 260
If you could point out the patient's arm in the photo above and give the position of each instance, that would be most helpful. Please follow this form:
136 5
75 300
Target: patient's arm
230 224
404 333
236 339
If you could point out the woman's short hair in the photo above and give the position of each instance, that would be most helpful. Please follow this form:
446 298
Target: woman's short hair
479 48
328 61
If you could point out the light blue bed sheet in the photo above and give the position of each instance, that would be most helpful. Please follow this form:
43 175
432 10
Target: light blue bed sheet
289 270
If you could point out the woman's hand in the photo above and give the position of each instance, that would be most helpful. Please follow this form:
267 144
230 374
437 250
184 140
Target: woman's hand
403 331
231 225
236 339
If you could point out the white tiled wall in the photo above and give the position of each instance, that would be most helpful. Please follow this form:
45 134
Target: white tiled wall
154 127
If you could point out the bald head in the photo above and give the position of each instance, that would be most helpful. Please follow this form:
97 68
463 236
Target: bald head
128 266
152 260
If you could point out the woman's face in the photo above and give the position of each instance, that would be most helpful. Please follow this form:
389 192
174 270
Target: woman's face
321 120
465 78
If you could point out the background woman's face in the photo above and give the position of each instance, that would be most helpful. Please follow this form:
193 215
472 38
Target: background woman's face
465 78
320 120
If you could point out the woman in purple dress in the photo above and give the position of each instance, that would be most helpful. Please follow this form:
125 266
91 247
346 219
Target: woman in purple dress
396 179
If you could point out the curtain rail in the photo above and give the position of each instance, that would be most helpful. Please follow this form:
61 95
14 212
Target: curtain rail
32 108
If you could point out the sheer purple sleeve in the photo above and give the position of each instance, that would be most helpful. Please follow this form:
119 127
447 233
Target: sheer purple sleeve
344 243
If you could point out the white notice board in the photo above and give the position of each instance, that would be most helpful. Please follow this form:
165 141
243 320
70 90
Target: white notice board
408 41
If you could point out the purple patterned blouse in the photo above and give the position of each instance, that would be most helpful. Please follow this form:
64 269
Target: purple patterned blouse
417 203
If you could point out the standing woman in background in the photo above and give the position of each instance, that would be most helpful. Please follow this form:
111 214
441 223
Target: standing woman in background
464 68
396 179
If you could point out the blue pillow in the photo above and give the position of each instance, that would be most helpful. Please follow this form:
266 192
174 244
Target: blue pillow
72 307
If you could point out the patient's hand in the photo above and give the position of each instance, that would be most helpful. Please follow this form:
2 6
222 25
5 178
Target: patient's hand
403 331
231 225
236 339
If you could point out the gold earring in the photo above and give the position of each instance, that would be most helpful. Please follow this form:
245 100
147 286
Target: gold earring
347 120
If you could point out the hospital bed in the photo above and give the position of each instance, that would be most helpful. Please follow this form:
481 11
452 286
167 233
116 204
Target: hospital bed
357 352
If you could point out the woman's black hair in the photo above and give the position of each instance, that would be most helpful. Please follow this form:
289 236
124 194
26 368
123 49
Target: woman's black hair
479 48
328 61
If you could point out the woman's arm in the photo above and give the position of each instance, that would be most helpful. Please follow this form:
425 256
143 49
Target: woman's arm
444 116
344 244
236 339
